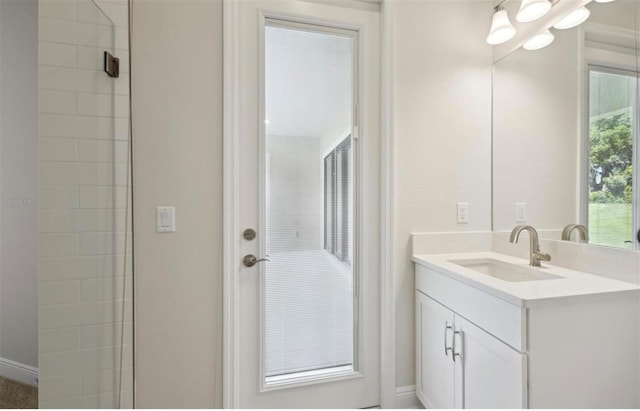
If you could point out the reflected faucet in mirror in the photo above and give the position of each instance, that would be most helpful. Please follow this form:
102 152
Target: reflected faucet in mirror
535 255
582 232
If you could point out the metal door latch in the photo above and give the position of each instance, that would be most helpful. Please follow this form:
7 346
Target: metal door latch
250 260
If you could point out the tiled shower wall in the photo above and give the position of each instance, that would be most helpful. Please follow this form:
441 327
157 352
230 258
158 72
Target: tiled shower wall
85 316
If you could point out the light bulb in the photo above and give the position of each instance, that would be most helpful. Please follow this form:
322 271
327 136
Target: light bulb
501 28
604 1
531 10
573 19
539 41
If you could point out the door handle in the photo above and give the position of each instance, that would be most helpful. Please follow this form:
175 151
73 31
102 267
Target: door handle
447 327
250 260
459 353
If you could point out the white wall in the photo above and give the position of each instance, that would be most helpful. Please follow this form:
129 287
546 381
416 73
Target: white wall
19 181
85 286
536 135
177 136
443 151
443 136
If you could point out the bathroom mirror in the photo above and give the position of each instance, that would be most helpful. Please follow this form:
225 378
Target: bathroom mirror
564 133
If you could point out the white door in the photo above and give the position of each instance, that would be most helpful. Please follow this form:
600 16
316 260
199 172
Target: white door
307 94
493 374
434 353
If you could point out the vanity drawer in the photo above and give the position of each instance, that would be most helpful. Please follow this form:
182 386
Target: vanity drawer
505 321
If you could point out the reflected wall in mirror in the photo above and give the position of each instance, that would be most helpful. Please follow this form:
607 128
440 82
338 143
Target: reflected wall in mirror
564 135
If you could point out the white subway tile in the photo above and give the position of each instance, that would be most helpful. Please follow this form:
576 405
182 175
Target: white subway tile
55 149
103 197
121 105
58 102
88 12
58 245
55 221
60 363
105 358
96 104
54 388
73 79
70 315
103 105
103 151
107 381
56 54
121 38
81 127
106 37
64 403
68 173
58 197
106 335
107 289
56 340
57 9
121 131
67 32
116 12
91 58
103 243
121 87
59 292
82 267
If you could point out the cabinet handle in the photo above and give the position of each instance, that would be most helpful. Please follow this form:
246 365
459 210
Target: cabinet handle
453 351
446 328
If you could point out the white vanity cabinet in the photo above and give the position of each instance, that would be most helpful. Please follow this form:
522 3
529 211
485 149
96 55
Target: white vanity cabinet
463 366
475 349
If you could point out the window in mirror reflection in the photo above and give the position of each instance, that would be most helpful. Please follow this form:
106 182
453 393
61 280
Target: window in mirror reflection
612 139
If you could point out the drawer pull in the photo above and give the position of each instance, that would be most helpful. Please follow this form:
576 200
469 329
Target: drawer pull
459 353
447 327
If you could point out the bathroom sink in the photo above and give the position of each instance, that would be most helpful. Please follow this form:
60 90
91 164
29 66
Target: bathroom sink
504 271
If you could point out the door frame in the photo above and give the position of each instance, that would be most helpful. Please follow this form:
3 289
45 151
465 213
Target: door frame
231 248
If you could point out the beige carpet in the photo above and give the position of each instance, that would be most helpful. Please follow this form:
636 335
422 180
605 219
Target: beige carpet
17 395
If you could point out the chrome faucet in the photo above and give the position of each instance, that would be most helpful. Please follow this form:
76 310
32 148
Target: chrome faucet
582 231
535 254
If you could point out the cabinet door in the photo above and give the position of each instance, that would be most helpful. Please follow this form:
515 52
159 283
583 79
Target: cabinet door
434 365
492 374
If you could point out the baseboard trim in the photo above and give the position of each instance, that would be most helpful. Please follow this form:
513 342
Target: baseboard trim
406 397
16 371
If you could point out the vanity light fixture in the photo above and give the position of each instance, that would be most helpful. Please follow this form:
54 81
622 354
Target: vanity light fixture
501 28
531 10
574 18
604 1
539 41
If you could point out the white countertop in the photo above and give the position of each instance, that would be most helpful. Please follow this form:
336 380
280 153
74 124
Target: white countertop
525 293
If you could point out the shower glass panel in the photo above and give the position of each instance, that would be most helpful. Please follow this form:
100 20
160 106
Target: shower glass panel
86 333
308 301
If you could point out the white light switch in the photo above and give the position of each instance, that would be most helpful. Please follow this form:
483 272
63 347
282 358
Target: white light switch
166 219
521 212
463 213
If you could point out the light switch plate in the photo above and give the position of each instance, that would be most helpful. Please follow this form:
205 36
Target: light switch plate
166 219
463 213
521 212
